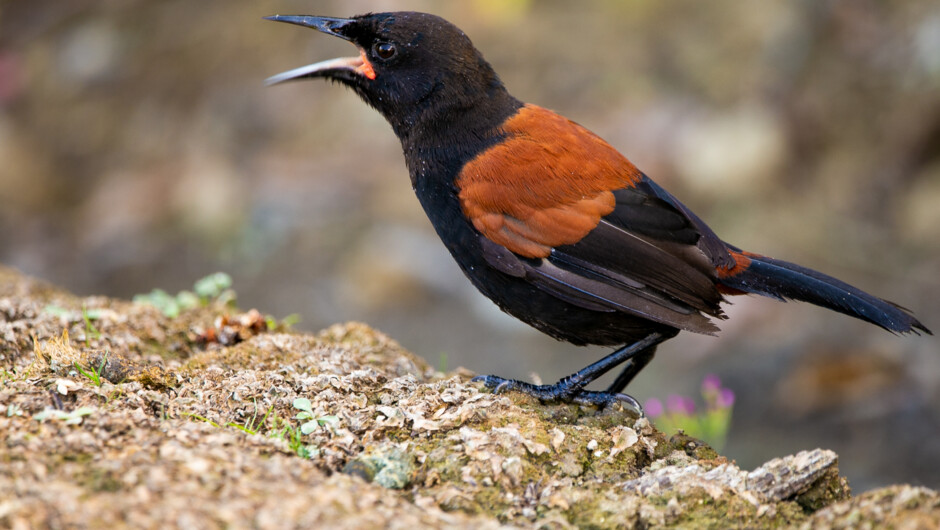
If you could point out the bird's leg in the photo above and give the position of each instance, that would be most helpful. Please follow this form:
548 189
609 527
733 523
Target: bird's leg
631 368
571 388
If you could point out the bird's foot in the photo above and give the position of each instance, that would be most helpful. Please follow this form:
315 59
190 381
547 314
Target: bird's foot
563 391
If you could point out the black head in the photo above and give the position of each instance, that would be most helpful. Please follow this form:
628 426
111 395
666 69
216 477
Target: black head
416 69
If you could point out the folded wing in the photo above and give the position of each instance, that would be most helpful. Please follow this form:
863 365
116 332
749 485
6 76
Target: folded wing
558 206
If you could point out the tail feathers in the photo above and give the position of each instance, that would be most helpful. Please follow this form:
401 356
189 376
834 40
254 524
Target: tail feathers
783 280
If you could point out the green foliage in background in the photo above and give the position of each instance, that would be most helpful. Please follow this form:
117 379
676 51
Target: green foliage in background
214 288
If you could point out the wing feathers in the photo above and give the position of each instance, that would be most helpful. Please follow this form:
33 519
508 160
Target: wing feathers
591 287
558 206
611 248
713 247
550 180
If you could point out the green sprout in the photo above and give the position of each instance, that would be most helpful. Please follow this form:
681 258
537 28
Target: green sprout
89 315
285 323
93 375
294 438
280 429
90 330
214 288
203 419
442 362
56 311
304 406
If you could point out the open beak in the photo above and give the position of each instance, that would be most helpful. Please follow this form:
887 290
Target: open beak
340 68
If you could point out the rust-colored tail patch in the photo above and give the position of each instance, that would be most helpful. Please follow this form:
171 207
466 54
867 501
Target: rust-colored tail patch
741 263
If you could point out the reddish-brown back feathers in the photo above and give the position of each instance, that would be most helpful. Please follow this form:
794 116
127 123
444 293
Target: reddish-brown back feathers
547 184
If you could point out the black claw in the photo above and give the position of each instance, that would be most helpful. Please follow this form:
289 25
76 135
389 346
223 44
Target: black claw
605 399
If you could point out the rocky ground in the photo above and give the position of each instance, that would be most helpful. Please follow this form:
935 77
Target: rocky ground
116 415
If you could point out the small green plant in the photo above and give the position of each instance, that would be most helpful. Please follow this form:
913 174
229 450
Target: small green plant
294 437
56 311
285 323
280 429
711 425
304 406
93 375
203 419
442 362
69 418
88 315
214 288
253 425
115 394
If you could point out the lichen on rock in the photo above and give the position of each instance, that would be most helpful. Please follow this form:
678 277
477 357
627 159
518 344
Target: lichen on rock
178 432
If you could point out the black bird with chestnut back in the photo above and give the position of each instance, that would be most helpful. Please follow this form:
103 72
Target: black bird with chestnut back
548 220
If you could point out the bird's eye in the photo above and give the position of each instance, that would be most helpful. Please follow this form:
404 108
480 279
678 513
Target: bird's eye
384 50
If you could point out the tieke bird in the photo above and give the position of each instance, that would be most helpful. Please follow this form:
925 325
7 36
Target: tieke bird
547 219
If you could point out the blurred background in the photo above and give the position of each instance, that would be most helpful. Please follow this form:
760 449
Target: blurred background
139 148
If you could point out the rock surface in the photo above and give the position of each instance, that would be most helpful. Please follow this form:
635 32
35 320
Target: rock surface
131 418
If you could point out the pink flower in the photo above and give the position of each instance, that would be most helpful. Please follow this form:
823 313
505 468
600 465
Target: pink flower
711 384
654 407
725 398
677 404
